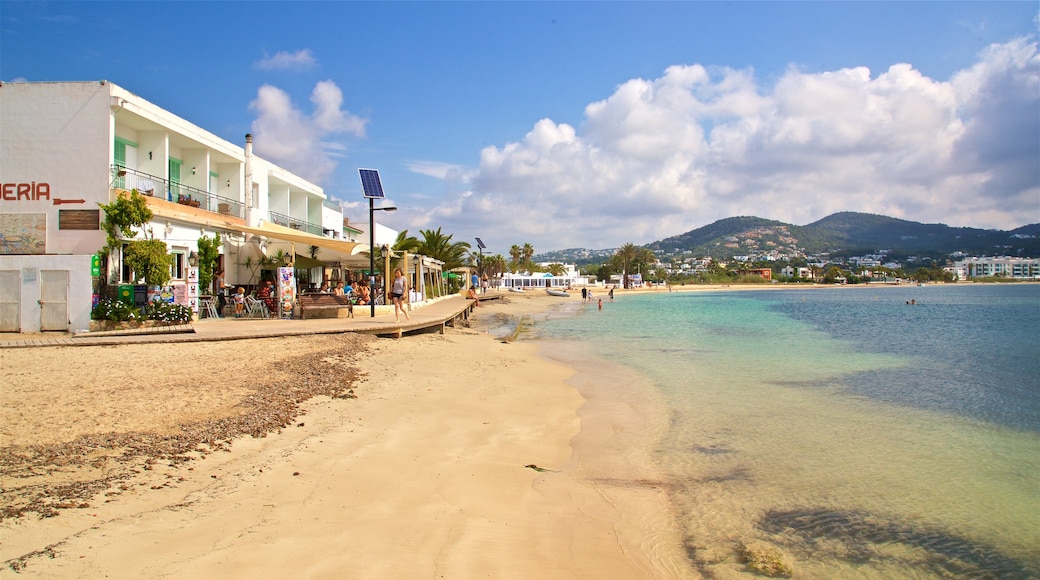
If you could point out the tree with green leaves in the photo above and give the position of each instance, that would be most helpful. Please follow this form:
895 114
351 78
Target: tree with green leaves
149 259
439 246
646 263
403 243
494 266
209 251
626 257
514 257
528 253
122 216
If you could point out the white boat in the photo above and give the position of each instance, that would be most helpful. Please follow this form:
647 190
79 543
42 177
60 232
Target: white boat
512 289
552 292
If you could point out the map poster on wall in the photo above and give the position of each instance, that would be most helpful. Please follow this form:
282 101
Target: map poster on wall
180 294
23 233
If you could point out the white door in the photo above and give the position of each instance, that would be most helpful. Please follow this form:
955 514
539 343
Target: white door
54 300
10 301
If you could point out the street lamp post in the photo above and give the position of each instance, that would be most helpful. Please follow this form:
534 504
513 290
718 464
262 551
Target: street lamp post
480 259
372 209
373 189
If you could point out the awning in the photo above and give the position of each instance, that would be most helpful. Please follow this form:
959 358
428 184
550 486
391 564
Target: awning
332 250
306 262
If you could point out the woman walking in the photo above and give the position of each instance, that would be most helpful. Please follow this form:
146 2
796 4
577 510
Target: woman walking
397 294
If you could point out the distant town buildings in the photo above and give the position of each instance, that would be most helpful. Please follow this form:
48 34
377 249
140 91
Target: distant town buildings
1000 267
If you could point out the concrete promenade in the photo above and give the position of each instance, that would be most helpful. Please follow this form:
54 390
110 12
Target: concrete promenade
434 316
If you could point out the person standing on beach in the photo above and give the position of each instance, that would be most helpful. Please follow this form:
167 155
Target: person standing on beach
584 294
397 294
611 294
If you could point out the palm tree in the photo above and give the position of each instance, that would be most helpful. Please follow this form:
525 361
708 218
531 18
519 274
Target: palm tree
494 265
514 254
403 243
440 247
646 261
626 255
528 251
406 243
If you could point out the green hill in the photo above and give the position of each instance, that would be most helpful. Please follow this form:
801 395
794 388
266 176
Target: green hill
844 234
849 234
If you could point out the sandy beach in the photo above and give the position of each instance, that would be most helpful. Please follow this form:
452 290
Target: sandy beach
337 456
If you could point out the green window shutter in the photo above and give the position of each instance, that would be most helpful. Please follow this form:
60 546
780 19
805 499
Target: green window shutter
119 152
175 178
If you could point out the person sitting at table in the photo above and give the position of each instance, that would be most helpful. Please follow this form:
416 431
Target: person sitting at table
266 293
363 295
348 288
339 289
325 287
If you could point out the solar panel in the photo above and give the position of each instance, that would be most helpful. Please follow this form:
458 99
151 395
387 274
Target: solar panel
480 244
370 183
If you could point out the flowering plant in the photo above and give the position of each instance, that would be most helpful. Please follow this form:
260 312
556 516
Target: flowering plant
169 313
114 310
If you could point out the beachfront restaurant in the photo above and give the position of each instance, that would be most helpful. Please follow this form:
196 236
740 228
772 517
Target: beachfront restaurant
539 280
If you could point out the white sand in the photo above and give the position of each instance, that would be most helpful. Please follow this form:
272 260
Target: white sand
422 475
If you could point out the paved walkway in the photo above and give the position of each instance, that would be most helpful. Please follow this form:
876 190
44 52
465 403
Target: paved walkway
432 316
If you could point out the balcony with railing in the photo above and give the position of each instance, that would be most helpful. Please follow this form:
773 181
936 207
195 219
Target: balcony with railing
154 186
296 224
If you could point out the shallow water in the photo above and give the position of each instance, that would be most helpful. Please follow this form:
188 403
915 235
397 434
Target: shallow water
863 436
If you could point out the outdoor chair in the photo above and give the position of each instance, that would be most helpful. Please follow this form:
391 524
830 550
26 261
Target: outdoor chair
256 308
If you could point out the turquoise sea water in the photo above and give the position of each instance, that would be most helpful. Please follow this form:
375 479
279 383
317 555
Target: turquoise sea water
863 436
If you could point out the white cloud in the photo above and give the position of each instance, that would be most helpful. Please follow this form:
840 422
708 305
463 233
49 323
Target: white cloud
446 171
299 142
294 61
660 157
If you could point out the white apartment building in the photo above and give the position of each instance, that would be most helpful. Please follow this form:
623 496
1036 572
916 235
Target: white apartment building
65 147
1003 266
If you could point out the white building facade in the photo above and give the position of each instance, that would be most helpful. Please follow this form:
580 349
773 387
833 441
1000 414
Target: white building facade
66 147
1003 267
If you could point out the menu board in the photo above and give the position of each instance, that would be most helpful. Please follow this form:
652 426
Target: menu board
286 292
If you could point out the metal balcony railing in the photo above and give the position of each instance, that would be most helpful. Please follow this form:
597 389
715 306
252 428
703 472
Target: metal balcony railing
126 178
296 224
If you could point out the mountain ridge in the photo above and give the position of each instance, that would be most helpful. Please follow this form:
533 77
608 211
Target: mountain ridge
843 233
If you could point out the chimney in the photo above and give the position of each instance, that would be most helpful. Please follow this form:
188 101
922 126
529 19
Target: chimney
250 202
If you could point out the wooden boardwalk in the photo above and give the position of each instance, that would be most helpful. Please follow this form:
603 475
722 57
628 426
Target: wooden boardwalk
433 317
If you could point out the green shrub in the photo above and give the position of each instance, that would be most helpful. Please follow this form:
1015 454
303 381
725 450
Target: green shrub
114 310
169 313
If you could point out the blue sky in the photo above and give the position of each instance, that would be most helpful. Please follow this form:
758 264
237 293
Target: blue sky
589 124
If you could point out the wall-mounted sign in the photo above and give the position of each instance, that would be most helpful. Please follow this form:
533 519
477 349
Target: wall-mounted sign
79 219
32 191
